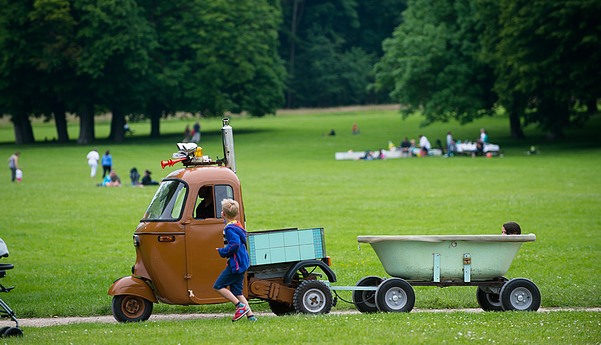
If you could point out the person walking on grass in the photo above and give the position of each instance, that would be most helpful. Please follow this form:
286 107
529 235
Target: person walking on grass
93 158
234 239
13 165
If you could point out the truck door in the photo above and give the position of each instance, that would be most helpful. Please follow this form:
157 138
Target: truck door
203 235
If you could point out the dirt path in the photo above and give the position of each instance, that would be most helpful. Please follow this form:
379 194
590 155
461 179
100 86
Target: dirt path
55 321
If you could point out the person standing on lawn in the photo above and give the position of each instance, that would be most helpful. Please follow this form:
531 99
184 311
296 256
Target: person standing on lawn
13 165
234 238
107 163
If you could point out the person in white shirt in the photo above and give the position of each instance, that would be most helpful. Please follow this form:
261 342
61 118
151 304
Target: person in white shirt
424 144
93 158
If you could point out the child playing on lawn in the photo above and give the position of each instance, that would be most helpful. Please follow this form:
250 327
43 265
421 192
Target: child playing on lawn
234 238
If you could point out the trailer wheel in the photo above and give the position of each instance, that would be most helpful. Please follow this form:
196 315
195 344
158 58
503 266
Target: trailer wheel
395 295
520 294
312 297
128 308
488 301
279 308
365 301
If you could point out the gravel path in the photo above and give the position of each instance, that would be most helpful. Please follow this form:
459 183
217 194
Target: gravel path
55 321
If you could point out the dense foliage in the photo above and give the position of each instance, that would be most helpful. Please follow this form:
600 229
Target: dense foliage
463 58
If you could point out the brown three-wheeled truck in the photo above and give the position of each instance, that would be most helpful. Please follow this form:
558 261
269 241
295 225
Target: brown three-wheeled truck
176 260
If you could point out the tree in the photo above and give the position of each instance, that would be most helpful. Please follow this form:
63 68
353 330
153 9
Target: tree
547 55
17 77
114 38
431 63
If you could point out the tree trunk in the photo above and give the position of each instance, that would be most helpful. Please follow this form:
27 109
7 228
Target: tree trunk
86 124
22 128
514 124
60 120
117 122
556 117
155 111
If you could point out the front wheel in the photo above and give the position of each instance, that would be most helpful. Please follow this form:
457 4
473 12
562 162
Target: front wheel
127 308
520 294
12 332
488 301
312 297
395 295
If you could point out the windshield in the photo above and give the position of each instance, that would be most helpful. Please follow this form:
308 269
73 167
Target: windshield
167 203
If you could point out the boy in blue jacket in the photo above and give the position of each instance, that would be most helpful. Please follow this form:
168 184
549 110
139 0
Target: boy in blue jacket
234 238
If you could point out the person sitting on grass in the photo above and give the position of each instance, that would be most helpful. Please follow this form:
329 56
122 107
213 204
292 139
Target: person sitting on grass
147 180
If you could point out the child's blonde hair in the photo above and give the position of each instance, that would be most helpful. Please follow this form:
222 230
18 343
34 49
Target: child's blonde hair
230 208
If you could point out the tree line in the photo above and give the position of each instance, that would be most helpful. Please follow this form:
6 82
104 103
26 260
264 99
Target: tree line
449 59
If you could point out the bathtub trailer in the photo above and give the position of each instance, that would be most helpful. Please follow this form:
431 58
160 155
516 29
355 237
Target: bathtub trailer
446 260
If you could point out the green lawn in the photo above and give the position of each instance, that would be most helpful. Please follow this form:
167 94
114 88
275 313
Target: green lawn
70 239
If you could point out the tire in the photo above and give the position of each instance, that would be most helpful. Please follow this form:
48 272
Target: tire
279 308
3 329
365 301
128 308
312 297
520 294
488 301
12 332
395 295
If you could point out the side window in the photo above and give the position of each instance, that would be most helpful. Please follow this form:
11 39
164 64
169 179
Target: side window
205 205
168 201
222 192
208 202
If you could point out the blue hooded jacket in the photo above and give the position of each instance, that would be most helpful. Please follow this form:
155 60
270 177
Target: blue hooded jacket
234 238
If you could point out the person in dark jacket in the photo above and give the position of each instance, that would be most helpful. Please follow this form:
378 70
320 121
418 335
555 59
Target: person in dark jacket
234 239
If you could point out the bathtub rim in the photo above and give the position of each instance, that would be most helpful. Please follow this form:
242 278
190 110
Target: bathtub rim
442 238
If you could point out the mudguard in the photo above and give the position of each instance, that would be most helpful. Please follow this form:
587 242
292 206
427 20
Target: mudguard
309 263
132 286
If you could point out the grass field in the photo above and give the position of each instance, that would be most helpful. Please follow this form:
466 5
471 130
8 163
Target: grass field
70 239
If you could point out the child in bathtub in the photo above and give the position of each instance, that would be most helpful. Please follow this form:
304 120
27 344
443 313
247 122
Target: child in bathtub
511 228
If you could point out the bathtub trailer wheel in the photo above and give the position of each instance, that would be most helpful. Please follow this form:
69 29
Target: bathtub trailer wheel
128 308
395 295
365 301
520 294
312 297
488 299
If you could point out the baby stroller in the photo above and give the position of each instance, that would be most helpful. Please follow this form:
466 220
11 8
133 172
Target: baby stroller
4 308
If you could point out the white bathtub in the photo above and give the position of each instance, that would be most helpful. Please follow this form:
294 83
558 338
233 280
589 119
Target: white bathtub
467 258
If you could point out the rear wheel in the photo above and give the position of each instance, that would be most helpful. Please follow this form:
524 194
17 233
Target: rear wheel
488 301
520 294
127 308
395 295
279 308
365 301
312 297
